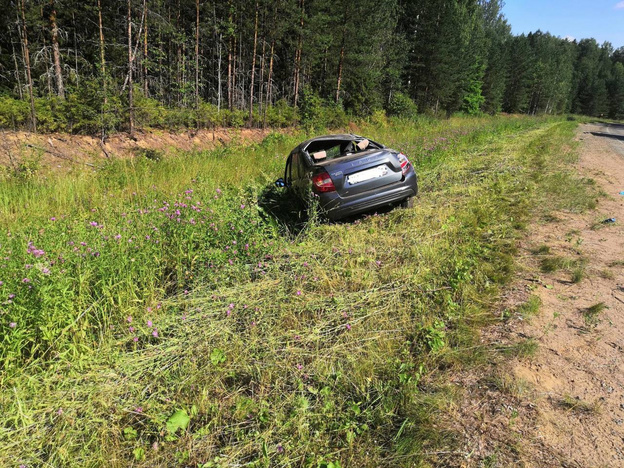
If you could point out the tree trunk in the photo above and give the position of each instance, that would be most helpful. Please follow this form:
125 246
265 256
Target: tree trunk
179 81
269 94
253 69
219 46
340 64
298 55
145 82
33 115
75 50
17 73
58 70
102 59
341 60
196 54
130 94
230 80
262 66
234 58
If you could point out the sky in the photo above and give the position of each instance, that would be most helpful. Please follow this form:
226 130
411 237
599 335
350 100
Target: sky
601 19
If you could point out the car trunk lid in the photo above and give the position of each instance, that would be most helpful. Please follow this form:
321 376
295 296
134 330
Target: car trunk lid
362 172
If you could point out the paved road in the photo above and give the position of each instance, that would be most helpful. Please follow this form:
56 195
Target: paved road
615 134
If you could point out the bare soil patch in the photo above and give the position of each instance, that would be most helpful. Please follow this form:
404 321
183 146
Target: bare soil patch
60 150
564 404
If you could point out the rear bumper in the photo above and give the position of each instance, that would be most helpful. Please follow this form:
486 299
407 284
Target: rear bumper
336 207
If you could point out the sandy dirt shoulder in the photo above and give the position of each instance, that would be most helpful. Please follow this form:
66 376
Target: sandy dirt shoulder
563 405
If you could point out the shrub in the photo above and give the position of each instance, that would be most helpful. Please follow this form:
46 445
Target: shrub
14 113
235 118
401 105
311 112
208 116
151 113
280 115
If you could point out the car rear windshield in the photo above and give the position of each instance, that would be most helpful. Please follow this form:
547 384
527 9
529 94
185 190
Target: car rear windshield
334 149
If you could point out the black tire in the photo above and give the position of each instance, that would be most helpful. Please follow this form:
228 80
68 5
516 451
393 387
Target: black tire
408 202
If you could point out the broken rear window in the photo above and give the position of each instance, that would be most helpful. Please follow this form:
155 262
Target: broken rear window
324 150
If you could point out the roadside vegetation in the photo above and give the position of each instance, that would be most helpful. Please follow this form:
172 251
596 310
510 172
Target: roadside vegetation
108 66
154 314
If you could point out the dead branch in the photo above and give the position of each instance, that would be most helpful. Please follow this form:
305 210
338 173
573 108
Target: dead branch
59 155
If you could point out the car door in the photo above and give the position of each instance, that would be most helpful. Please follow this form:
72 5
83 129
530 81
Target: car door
297 174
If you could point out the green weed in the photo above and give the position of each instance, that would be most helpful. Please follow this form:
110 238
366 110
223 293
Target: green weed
592 313
577 405
530 308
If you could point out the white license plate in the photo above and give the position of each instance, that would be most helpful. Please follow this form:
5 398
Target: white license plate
368 174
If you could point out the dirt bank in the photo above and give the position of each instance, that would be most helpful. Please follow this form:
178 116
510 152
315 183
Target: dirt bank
62 150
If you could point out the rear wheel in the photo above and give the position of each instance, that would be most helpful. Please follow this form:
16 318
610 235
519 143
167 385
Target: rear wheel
408 202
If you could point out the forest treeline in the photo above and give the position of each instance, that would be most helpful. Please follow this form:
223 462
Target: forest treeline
104 65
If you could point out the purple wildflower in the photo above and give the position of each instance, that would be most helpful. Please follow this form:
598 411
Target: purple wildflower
135 339
348 326
155 333
26 280
149 323
12 324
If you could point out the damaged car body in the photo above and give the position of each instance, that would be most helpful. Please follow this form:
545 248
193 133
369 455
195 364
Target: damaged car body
350 175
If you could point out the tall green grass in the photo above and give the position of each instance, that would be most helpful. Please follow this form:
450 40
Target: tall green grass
190 330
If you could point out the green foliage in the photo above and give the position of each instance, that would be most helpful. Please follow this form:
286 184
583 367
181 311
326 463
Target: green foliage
473 97
592 313
14 114
317 114
401 105
217 356
311 112
178 420
280 115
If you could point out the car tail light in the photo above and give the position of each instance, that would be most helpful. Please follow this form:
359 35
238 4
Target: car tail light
405 164
321 183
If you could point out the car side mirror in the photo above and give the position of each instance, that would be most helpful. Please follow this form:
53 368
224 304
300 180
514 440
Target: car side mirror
280 183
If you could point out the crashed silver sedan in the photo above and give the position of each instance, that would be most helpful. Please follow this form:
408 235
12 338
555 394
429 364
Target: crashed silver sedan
350 175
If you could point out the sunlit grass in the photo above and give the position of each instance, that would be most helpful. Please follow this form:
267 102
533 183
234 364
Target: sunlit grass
327 344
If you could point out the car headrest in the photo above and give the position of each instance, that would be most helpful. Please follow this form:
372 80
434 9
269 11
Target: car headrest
319 155
362 145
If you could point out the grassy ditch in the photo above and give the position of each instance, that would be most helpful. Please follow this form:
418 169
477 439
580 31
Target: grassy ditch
152 315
